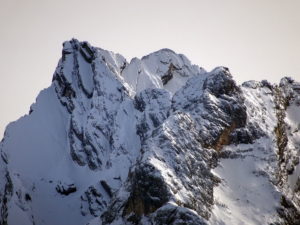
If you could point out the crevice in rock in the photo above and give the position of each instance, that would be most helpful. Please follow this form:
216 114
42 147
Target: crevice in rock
7 194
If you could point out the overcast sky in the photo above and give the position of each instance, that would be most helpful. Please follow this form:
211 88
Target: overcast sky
256 39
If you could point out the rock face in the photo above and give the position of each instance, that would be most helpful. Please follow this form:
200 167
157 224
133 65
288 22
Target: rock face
154 141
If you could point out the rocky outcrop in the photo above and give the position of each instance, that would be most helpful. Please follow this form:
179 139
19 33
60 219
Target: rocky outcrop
287 95
5 196
218 107
93 201
66 189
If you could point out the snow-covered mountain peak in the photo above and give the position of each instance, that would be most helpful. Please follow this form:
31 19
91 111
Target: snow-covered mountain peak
160 69
156 140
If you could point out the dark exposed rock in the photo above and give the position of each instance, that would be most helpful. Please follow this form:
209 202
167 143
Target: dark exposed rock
172 215
226 111
123 67
221 83
169 74
65 189
251 84
265 83
148 191
87 52
106 188
93 200
285 96
4 157
246 135
27 197
4 199
256 84
288 212
280 129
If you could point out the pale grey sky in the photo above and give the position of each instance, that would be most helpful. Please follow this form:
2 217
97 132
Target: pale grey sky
256 39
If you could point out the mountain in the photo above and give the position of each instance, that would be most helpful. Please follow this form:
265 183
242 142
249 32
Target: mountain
156 141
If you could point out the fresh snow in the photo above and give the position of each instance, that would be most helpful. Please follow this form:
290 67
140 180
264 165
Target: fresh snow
245 195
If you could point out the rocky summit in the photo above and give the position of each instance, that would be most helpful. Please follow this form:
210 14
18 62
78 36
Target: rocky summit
153 141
